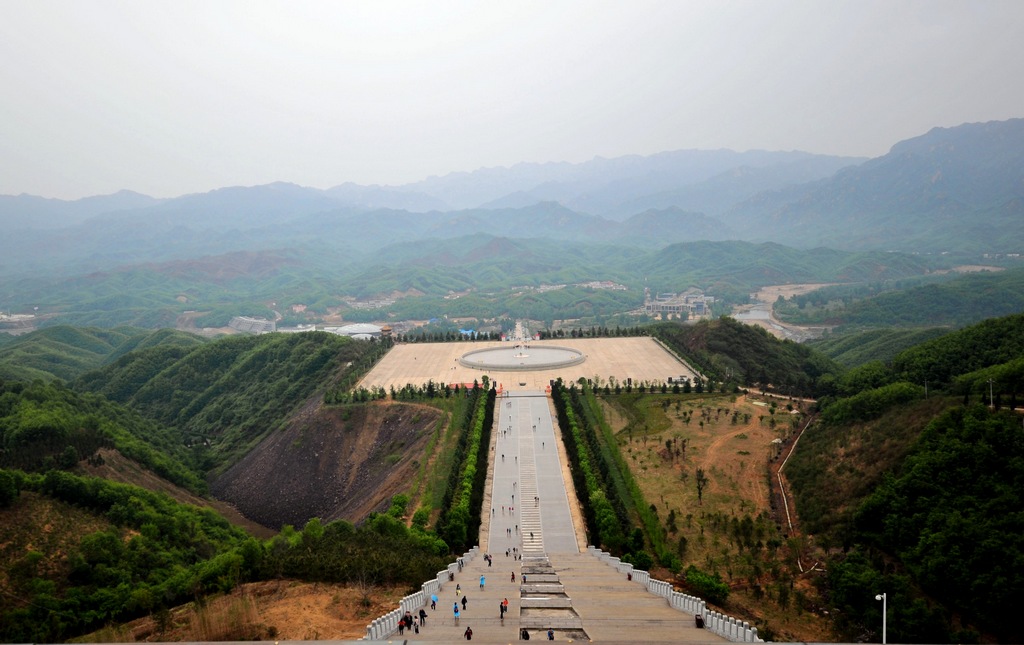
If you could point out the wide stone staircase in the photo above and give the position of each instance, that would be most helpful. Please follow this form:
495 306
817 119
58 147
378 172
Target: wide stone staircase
588 596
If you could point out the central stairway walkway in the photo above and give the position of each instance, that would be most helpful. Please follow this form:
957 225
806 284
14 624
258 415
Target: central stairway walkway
554 585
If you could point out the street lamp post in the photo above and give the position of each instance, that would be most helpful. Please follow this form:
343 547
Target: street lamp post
882 597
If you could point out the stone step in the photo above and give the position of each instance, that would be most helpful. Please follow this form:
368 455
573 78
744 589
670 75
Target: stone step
541 578
551 587
546 602
543 623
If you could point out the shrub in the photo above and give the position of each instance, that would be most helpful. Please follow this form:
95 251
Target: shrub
709 587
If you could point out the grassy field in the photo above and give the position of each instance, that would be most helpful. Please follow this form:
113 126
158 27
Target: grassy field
726 442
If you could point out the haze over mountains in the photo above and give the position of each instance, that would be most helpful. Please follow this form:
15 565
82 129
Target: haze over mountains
955 189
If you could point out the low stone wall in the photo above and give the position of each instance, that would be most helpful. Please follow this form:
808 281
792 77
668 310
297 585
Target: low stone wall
727 627
387 624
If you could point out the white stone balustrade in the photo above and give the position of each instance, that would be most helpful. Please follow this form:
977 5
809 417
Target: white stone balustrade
727 627
381 628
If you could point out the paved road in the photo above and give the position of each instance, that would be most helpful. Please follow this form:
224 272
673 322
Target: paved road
527 467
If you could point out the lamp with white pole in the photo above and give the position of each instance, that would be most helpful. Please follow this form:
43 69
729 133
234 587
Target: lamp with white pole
882 597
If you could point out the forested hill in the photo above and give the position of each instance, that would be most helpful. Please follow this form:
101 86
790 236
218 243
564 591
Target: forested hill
854 349
727 350
987 344
66 352
46 425
223 396
951 364
929 478
954 302
489 271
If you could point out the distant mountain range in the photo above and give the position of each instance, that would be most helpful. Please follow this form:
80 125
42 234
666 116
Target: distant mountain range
957 189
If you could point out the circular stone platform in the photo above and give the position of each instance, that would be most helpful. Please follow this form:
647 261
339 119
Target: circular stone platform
521 359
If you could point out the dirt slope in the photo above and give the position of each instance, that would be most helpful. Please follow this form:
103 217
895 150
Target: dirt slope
331 463
276 610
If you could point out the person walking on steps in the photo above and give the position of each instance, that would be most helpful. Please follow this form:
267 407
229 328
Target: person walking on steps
455 609
465 601
468 633
481 583
513 576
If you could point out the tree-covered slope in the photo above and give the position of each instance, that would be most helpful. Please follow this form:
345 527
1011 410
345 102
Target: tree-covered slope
933 483
954 516
942 364
65 352
941 360
46 425
954 302
223 396
729 351
80 553
102 551
855 349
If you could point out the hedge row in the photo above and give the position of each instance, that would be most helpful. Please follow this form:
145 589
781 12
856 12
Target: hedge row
459 523
622 478
607 522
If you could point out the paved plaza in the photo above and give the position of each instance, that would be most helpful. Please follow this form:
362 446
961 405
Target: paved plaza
641 359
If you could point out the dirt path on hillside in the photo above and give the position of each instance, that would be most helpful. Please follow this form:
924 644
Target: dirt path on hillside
717 452
780 484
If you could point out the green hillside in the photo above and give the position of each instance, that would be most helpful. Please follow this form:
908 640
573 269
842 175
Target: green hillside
952 302
729 351
856 348
222 397
940 361
80 553
114 552
66 352
902 482
490 269
954 517
45 425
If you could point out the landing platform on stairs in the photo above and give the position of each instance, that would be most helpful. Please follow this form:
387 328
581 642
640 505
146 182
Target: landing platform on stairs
614 609
607 608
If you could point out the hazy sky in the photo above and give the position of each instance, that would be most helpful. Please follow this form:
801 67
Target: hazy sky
168 98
